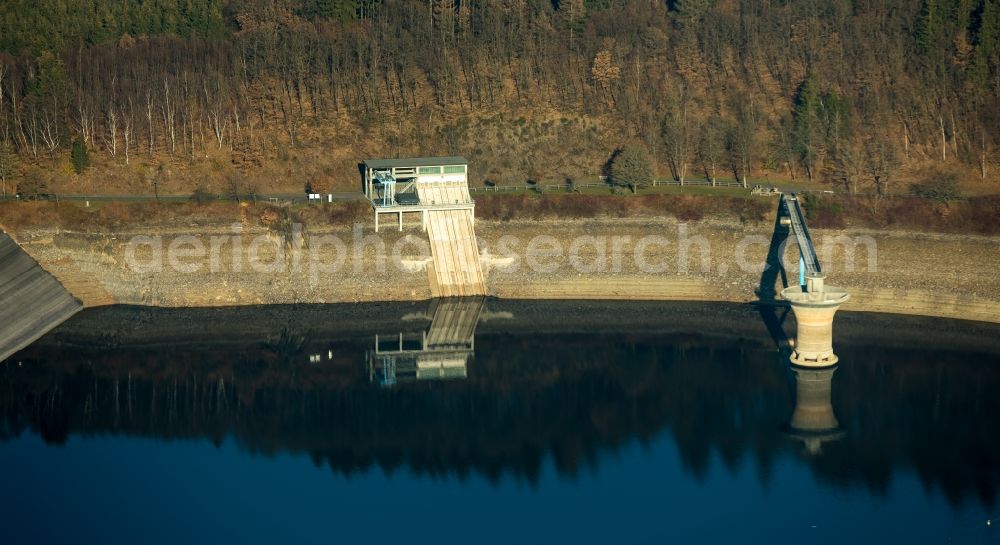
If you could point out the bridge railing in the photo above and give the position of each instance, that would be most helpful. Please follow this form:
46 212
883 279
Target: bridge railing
801 233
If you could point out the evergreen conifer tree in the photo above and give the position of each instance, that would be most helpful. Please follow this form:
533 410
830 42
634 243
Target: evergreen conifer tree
79 156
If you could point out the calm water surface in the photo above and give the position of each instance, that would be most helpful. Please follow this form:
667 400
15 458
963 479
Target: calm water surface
497 422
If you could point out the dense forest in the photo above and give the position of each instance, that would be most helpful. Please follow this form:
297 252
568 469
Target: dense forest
97 95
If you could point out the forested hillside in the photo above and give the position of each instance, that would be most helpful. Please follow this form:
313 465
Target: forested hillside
164 95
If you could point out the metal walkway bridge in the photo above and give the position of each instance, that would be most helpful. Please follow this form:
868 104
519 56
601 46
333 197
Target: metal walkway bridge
808 262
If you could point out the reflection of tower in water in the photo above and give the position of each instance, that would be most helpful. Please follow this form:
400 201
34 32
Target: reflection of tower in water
440 352
813 420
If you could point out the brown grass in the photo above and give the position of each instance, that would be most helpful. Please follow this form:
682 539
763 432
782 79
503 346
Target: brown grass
116 216
337 213
682 207
112 216
977 215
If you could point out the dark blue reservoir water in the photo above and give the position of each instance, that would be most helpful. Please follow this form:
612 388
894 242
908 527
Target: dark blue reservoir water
498 422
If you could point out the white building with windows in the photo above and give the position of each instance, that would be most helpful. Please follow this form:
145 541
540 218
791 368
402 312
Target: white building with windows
416 185
437 188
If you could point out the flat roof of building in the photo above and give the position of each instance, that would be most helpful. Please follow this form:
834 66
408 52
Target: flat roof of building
415 162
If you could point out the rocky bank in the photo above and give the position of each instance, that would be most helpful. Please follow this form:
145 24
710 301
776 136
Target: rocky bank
610 258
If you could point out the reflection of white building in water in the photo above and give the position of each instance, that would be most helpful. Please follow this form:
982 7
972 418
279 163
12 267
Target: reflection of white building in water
440 352
813 420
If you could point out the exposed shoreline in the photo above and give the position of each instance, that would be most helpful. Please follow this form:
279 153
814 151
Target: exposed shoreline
238 326
909 273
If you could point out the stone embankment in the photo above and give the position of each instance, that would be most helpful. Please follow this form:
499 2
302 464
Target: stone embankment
631 259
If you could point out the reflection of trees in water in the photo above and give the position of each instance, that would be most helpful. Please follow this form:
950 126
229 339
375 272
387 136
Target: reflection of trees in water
937 412
569 397
287 344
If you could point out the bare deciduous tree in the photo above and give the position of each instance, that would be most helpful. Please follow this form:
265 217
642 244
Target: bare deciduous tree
168 109
677 130
128 126
605 73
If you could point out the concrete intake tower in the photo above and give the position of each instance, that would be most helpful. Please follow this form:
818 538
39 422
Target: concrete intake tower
813 302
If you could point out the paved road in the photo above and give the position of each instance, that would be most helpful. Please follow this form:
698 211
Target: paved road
293 197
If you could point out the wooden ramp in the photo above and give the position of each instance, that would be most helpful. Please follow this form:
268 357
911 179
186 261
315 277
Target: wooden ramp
455 270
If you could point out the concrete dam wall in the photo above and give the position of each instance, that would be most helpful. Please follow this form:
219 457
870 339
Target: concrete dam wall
32 301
